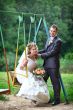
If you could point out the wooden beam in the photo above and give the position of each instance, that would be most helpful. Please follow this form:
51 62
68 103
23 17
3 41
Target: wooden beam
4 91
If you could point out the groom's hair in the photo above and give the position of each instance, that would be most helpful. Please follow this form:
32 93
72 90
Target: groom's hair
54 26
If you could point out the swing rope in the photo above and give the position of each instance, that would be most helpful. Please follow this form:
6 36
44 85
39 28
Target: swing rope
5 59
13 12
29 33
16 52
36 32
25 50
37 29
46 28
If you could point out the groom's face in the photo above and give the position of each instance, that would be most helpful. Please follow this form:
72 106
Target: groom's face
53 32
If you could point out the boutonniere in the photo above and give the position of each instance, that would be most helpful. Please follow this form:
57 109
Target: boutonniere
51 41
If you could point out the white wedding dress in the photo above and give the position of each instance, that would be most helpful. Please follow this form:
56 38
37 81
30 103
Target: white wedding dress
32 87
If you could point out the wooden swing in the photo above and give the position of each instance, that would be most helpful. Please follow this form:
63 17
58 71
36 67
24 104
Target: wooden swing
13 73
5 91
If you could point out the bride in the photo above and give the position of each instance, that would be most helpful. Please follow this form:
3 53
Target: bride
32 87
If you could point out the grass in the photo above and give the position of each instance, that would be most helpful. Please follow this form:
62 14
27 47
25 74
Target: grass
3 98
68 84
4 83
67 80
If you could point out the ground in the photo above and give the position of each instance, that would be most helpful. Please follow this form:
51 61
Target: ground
19 103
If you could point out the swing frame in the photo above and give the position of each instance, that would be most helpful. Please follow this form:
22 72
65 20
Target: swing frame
42 19
5 91
36 31
14 77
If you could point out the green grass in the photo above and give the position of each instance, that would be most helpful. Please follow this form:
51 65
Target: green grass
4 98
68 84
67 80
4 84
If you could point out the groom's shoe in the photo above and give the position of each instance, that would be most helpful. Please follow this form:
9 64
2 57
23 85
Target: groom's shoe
55 103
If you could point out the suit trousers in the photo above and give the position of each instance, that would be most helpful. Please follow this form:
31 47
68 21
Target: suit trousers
53 73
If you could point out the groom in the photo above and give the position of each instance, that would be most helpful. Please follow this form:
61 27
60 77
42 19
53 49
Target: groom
50 54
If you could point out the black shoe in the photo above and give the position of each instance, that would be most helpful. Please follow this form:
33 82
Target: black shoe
34 101
55 103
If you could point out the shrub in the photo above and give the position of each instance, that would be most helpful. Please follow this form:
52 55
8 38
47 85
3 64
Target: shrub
66 65
69 56
11 60
2 63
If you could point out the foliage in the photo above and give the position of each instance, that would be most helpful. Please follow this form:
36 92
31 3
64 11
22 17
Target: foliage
69 56
66 65
11 60
2 63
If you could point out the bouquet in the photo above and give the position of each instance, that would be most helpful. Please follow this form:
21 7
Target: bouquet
39 72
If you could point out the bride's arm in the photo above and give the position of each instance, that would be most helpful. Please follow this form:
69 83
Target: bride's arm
23 63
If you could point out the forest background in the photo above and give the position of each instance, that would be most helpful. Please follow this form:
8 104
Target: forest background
59 12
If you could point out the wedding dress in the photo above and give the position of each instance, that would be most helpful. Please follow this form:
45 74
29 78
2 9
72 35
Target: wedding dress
32 87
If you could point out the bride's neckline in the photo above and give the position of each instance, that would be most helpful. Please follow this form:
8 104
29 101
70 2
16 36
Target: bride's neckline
32 58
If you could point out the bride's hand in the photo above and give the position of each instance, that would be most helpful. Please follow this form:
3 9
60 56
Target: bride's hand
24 63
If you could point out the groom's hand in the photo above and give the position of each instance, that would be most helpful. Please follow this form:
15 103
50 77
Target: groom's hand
39 55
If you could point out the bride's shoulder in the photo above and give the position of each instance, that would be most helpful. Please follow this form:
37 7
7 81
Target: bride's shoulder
32 61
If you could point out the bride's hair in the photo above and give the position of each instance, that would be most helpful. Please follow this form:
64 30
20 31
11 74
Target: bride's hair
28 48
30 45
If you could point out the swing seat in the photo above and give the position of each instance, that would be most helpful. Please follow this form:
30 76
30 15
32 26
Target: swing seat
4 91
12 76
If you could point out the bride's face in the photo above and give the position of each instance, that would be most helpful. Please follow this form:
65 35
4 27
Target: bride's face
34 51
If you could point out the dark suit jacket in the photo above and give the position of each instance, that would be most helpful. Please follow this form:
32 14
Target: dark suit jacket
51 54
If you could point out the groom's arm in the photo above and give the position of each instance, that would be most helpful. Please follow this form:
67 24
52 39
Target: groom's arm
56 49
41 51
